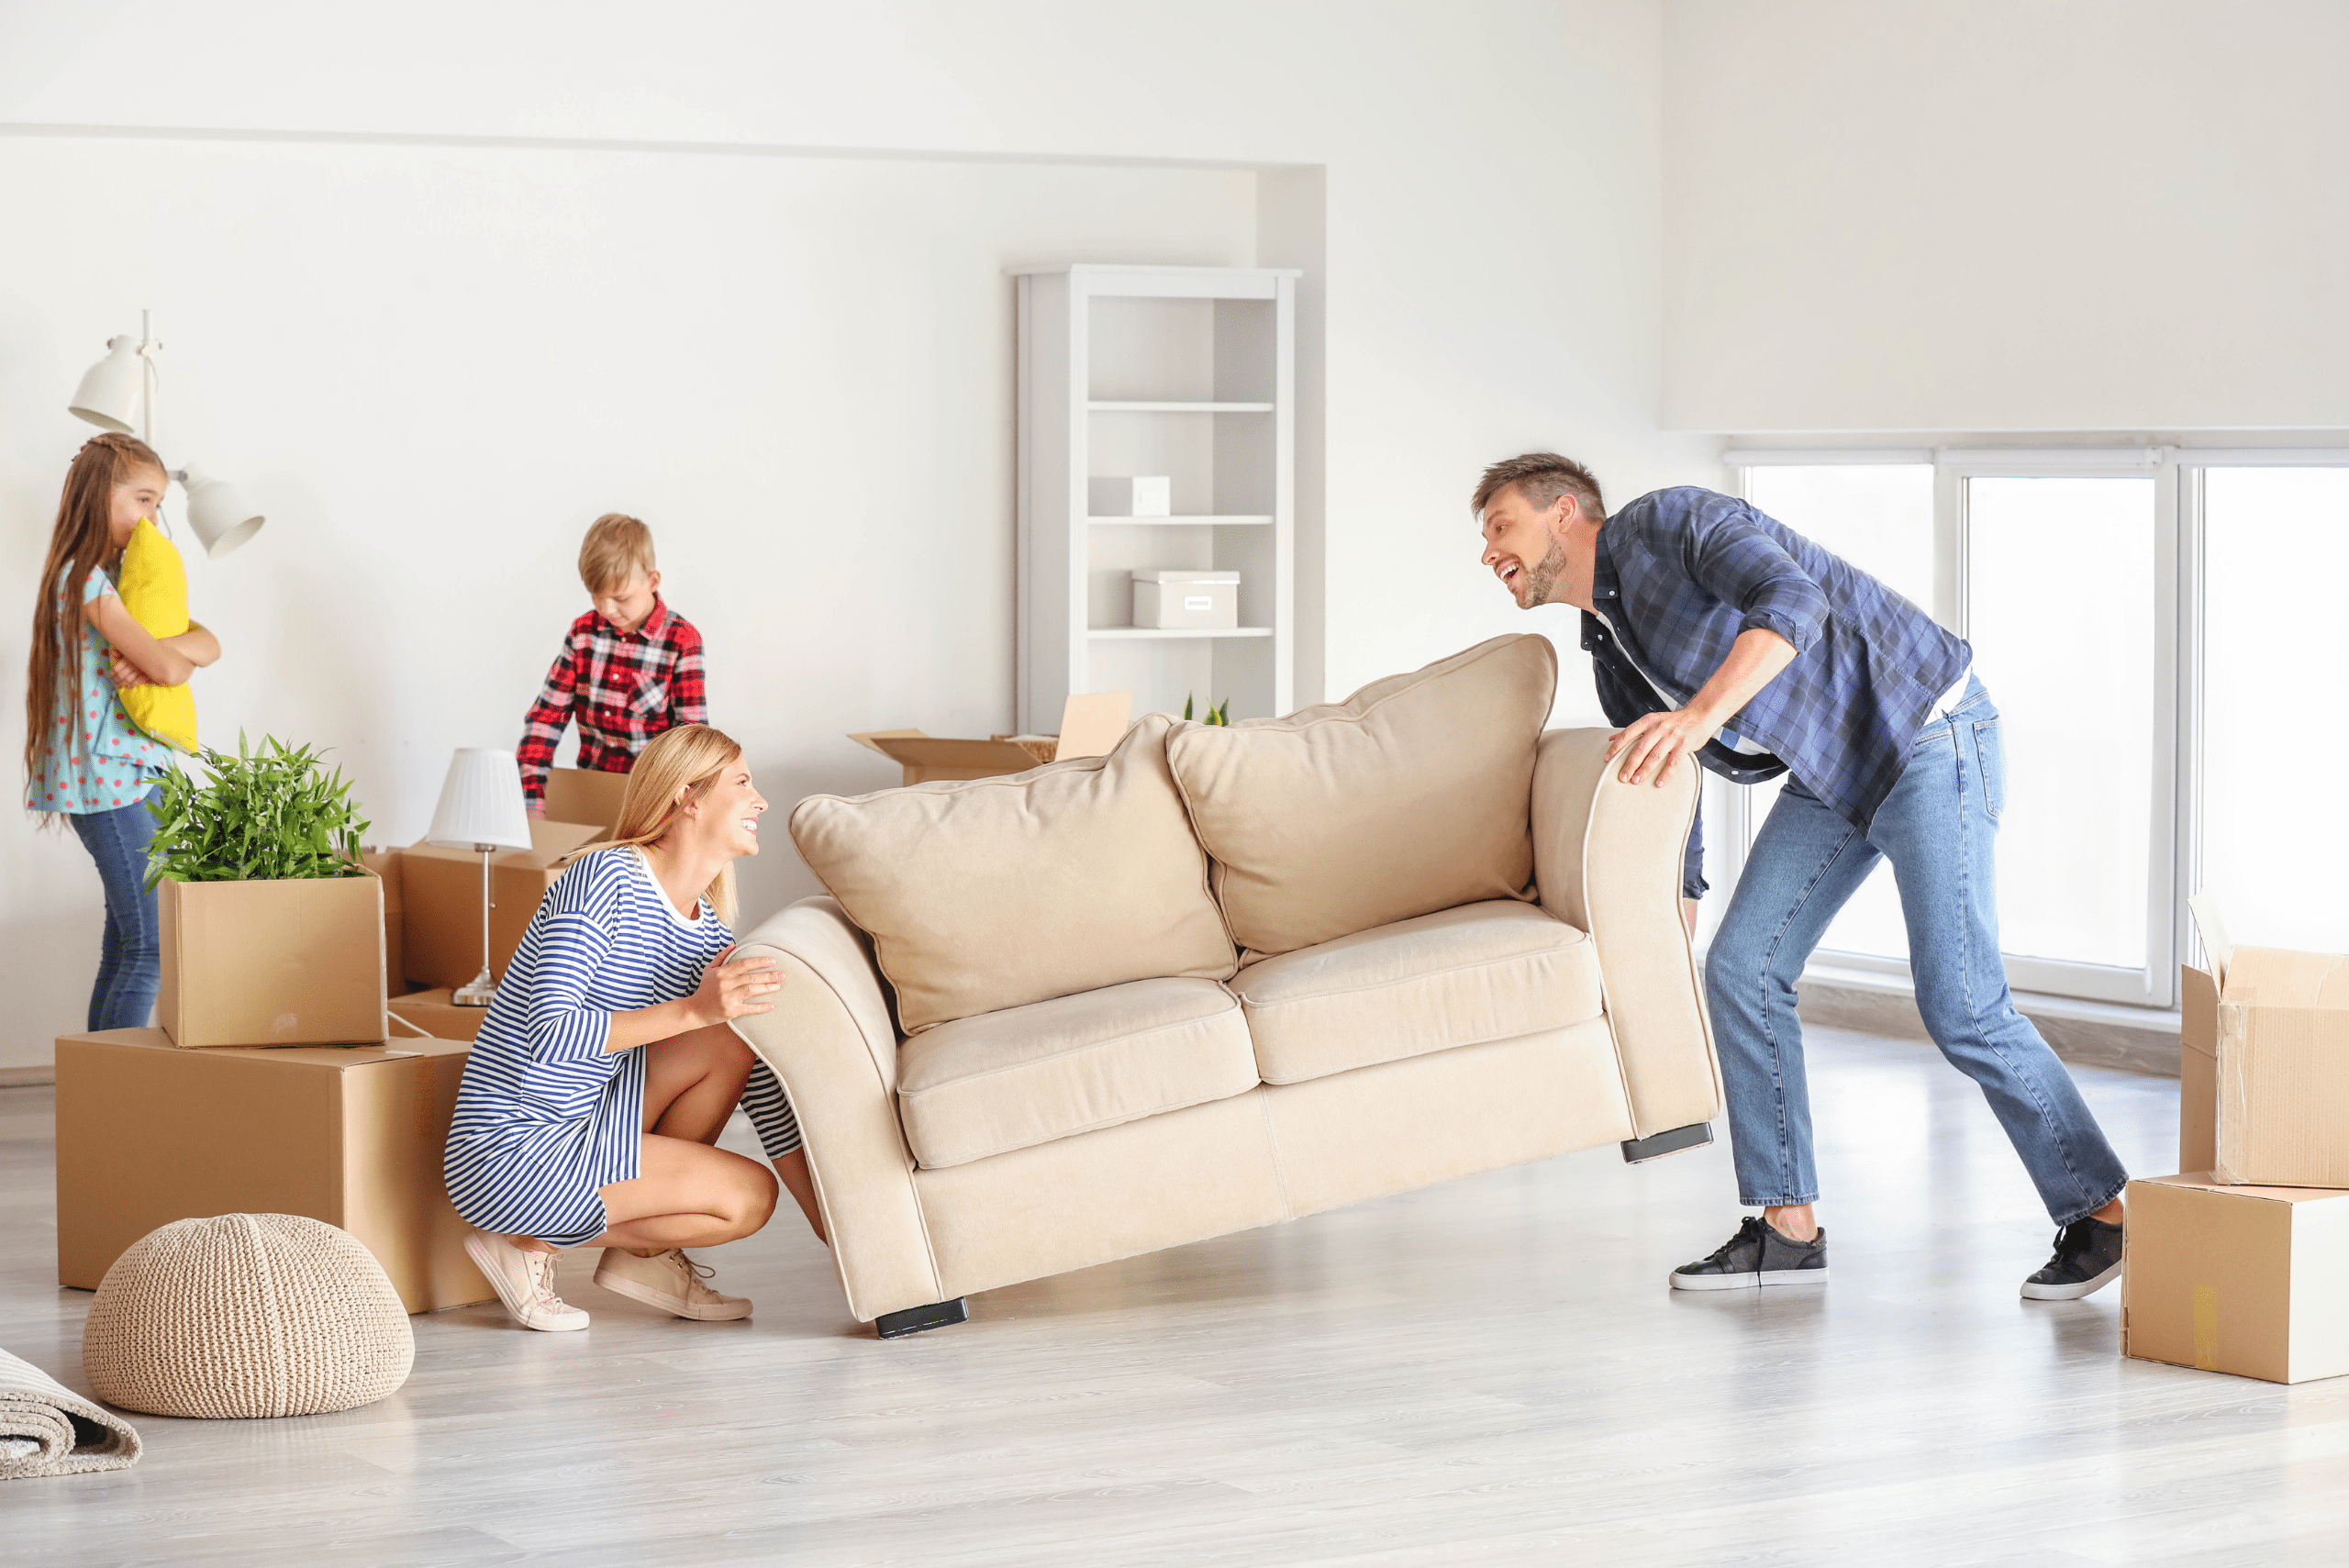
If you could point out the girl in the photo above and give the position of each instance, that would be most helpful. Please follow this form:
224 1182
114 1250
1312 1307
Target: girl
84 758
603 1072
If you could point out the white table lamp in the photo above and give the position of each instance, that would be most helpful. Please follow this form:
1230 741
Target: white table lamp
118 394
481 810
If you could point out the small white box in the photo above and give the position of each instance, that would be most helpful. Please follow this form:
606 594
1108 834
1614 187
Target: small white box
1170 596
1148 495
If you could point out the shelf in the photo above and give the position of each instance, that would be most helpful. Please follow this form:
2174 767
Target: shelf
1234 521
1180 407
1123 631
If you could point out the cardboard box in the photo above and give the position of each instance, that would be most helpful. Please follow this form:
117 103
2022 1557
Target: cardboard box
586 794
431 1013
276 963
147 1134
2253 1281
2264 1047
1092 723
386 864
443 891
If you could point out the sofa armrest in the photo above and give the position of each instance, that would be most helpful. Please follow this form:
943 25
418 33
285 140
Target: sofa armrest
1606 861
831 1042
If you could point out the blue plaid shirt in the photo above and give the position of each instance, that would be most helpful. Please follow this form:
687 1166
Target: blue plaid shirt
1680 573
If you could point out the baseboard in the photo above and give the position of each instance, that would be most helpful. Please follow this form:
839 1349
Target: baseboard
2088 1034
27 1077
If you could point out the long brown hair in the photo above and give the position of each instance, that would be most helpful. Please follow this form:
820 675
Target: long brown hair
78 546
668 774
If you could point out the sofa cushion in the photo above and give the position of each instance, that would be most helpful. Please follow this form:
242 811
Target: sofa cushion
1414 794
987 893
1027 1075
1490 971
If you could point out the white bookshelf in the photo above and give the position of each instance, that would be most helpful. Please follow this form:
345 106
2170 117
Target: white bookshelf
1186 372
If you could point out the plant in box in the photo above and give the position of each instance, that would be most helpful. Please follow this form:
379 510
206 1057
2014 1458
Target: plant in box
273 932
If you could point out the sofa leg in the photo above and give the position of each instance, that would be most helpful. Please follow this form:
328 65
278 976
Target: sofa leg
922 1319
1696 1135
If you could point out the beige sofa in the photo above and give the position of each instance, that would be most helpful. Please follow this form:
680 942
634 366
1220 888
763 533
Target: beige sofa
1225 977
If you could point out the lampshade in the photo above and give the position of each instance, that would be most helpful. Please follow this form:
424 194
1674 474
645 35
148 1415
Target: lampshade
221 516
480 802
110 391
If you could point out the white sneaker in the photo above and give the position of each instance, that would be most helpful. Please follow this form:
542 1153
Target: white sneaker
670 1281
524 1283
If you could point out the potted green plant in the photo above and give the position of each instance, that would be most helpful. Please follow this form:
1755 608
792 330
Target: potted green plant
271 929
1214 716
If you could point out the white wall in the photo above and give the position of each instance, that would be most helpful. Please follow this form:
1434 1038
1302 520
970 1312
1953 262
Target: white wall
442 283
2006 215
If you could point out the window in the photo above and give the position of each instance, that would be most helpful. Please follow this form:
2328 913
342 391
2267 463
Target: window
2274 752
2160 630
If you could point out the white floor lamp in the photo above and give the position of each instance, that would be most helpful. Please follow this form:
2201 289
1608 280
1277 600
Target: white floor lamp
482 810
121 388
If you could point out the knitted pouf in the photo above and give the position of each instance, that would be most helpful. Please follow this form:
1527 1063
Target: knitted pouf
246 1315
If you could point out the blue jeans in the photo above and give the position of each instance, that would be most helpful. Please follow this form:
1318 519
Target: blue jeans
1938 827
130 957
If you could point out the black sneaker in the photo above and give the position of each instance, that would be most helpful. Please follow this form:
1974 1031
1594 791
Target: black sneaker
1756 1255
2087 1258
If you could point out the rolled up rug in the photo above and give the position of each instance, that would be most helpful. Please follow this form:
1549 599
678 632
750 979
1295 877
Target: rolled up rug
45 1428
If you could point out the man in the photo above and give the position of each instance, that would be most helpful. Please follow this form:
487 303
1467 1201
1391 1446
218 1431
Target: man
1719 635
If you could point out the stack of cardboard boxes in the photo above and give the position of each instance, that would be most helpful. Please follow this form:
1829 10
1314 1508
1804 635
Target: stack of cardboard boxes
298 1068
2242 1264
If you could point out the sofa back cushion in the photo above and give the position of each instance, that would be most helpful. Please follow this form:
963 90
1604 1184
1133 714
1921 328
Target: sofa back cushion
988 894
1412 795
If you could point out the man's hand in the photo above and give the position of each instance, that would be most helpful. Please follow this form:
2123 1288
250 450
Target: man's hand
730 989
1653 745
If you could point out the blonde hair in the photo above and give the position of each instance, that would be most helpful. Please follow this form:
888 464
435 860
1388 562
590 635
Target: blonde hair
616 548
679 766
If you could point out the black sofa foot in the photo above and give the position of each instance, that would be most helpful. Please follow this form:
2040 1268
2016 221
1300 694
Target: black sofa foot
922 1319
1696 1135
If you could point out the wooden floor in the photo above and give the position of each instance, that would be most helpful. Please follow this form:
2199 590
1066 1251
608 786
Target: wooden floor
1490 1371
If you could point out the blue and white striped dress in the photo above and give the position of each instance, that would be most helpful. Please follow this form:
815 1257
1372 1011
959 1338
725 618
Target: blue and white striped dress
545 1116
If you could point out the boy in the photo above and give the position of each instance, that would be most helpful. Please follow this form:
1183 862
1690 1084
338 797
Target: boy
630 668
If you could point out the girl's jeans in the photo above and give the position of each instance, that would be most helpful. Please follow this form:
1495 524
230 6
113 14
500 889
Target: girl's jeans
1938 827
130 957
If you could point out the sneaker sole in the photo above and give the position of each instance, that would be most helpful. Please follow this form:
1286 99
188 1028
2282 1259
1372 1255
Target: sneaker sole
1749 1282
2070 1292
482 1250
620 1284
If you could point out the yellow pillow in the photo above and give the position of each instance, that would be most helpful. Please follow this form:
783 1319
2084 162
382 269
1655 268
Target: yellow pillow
153 584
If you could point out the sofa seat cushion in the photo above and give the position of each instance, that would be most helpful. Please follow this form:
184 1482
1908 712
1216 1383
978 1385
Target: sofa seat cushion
1489 971
1026 1075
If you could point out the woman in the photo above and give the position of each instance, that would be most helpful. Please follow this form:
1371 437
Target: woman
85 761
603 1070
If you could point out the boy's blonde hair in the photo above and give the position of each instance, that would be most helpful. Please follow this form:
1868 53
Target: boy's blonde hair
616 548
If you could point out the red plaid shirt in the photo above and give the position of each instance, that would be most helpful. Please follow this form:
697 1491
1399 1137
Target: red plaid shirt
624 687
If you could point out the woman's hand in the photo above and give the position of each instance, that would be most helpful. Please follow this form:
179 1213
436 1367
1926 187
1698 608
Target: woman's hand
730 988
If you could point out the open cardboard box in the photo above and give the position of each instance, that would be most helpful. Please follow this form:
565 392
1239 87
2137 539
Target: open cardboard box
147 1134
2263 1063
441 890
2237 1279
298 962
586 794
1092 723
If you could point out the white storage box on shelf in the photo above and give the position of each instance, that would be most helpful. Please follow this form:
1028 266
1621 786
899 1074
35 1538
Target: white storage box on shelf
1142 496
1194 601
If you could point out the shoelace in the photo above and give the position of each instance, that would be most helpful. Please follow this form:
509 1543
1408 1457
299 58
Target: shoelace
541 1268
1745 1228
